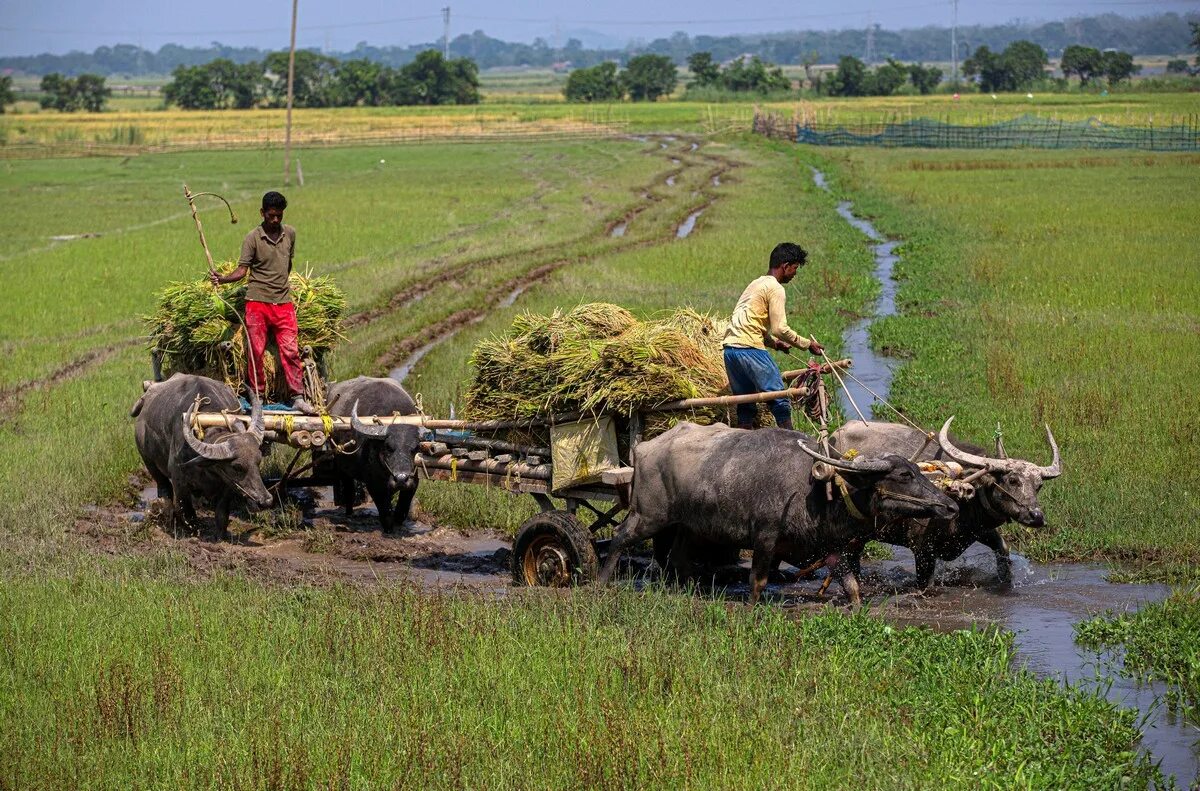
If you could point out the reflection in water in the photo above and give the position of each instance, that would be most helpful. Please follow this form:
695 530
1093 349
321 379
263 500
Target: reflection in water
619 230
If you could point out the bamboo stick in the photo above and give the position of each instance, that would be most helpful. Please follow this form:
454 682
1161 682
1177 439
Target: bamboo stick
825 368
541 472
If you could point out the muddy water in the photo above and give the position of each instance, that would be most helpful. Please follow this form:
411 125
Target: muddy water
1044 603
619 230
401 372
688 225
873 370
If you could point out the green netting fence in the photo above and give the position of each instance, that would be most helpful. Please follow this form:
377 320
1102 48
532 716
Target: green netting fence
1182 134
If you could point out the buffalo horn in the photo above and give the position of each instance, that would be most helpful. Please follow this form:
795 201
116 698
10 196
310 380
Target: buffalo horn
1055 468
1000 444
362 428
212 451
961 456
257 426
859 464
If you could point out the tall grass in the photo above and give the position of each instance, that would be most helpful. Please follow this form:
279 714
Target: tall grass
113 681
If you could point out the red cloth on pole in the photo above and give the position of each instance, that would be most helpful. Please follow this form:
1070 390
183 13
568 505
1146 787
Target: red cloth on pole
280 320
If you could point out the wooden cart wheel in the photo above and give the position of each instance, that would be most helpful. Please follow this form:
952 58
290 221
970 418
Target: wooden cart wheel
553 550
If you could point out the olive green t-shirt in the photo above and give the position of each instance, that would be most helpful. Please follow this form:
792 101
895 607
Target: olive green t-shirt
269 263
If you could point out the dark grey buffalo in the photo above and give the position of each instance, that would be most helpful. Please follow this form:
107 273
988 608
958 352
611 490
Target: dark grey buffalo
382 458
1005 490
221 467
755 490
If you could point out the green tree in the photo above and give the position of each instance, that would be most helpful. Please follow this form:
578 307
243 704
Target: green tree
358 81
924 78
90 92
1084 62
889 77
753 75
596 84
436 80
647 77
704 69
236 85
1118 66
313 83
58 93
1177 66
1025 63
991 70
850 79
190 89
6 92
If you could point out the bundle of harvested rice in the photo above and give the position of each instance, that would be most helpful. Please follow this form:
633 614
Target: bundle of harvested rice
596 359
196 330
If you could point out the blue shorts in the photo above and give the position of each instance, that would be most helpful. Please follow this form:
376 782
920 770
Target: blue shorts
755 371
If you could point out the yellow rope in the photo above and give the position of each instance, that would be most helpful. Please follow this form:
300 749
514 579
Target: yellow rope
841 485
327 424
287 424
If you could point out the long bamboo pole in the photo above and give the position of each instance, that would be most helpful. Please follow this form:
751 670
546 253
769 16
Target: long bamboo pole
287 135
284 422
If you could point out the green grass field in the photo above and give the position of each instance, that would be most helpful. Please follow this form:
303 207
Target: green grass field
1053 288
1038 286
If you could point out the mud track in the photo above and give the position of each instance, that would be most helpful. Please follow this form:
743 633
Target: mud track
432 334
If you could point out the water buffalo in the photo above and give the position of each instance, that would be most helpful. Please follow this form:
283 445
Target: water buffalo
1005 490
383 455
222 465
755 490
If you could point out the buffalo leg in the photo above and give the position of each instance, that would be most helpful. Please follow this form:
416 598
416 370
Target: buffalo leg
760 571
926 564
847 574
382 497
761 564
343 495
404 504
221 512
995 542
631 531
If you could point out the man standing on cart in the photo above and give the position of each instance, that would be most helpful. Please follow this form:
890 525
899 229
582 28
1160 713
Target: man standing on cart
267 254
760 323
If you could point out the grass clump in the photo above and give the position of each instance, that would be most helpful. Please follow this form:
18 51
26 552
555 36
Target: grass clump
1158 642
596 358
198 328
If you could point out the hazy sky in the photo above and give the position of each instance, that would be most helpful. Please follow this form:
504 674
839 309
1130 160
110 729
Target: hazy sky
34 26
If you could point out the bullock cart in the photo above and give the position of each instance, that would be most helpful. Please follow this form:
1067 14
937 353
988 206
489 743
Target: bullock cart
580 478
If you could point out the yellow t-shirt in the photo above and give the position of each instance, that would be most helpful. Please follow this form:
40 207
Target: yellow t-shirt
761 314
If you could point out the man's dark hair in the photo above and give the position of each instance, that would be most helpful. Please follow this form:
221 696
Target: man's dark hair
274 200
788 253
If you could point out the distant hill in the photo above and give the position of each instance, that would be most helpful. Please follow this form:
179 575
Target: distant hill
1162 34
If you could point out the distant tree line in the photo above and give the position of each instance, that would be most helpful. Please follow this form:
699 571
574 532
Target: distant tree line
854 78
323 81
645 78
87 92
741 75
1161 34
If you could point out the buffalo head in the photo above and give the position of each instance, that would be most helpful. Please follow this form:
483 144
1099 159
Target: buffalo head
1007 487
234 457
897 486
391 447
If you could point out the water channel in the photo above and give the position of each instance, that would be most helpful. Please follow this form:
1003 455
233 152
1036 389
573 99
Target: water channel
1045 601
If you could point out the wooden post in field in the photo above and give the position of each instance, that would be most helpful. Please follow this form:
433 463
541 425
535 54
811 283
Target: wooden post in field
287 135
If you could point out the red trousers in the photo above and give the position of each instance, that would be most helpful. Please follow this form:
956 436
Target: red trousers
280 320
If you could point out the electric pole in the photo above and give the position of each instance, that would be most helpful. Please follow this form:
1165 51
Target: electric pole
954 44
870 55
446 32
287 135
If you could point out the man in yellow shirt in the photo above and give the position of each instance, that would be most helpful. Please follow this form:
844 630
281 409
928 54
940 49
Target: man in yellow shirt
760 323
